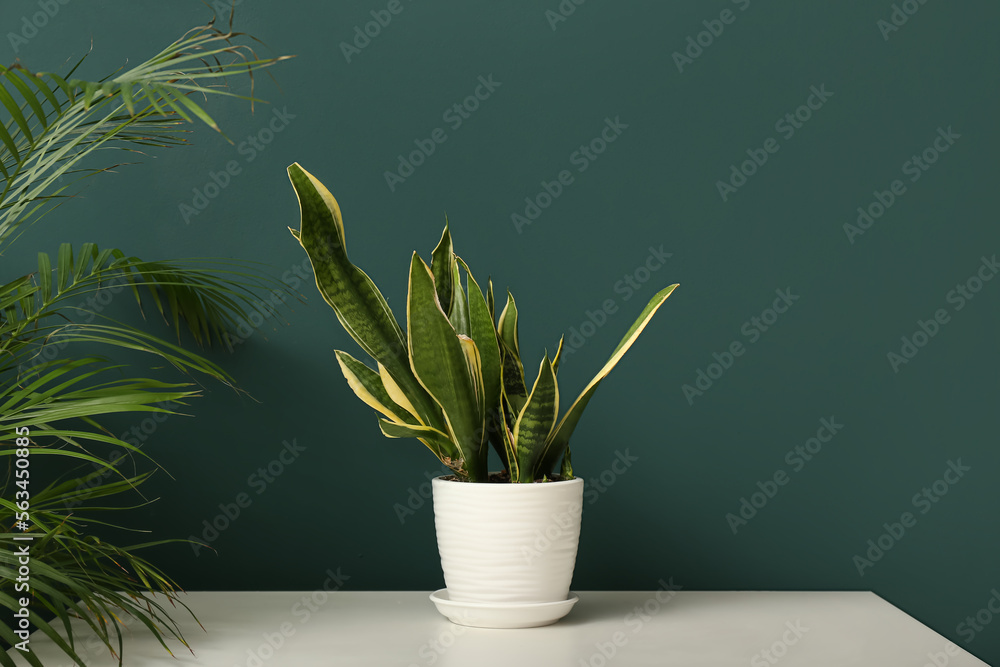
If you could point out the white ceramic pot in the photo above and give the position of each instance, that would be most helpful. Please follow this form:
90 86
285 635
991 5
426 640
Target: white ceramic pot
507 543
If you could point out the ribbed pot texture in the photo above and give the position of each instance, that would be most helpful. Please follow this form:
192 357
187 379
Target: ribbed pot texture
507 543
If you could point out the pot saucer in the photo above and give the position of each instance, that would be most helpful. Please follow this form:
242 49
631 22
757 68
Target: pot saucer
502 614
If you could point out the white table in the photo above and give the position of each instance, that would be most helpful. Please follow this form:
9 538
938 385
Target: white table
383 629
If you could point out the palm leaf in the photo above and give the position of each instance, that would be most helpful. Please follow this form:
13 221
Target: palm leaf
56 122
53 122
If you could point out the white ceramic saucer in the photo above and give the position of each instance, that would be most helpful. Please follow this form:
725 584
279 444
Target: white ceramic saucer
502 614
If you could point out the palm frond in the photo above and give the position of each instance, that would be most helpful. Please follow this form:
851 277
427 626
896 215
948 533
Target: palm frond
56 122
76 575
58 304
52 123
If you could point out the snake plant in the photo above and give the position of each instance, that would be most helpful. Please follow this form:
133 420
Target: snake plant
454 380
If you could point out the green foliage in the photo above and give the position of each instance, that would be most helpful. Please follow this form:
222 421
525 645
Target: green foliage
76 575
455 380
51 124
55 122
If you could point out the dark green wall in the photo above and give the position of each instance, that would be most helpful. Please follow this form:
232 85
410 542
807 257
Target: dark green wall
337 504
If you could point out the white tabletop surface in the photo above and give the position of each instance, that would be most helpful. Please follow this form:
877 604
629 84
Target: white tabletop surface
388 629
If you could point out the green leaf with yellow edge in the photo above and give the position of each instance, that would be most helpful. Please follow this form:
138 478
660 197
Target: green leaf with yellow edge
443 268
475 372
566 468
507 326
458 314
355 299
508 451
489 299
396 393
510 356
559 439
536 422
368 386
482 331
558 357
440 365
440 444
359 305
